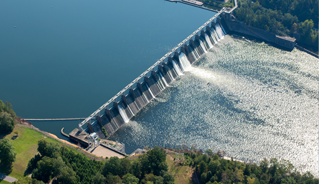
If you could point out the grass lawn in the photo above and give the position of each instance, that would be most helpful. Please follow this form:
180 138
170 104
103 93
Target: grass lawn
4 182
25 145
182 174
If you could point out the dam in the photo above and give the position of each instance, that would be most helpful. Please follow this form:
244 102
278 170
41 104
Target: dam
142 90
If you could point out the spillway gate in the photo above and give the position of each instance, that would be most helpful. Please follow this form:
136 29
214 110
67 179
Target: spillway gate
113 114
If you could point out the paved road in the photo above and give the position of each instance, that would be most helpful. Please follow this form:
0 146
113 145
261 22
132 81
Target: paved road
7 178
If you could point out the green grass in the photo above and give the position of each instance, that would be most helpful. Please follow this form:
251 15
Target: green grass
4 182
26 147
182 174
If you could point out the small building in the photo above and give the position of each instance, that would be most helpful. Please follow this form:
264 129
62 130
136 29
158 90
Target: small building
286 42
197 3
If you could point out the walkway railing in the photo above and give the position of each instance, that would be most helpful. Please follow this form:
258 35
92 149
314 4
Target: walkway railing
56 119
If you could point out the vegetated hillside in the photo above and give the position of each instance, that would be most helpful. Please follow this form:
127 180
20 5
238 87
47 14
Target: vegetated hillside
217 5
24 142
62 165
295 18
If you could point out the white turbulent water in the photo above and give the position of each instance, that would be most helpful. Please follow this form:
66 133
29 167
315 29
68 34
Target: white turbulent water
202 45
148 88
184 62
219 31
208 41
163 79
123 114
249 99
177 69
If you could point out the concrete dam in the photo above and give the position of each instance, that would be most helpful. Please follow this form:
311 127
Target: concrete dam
141 91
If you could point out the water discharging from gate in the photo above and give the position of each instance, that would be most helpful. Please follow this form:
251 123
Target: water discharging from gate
184 62
177 69
123 114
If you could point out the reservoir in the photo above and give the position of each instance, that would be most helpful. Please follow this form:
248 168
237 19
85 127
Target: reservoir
65 59
247 98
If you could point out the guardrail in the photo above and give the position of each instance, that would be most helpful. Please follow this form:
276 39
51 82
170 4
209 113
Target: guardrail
97 112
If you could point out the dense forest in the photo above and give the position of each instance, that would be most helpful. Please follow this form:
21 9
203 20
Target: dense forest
212 169
295 18
64 165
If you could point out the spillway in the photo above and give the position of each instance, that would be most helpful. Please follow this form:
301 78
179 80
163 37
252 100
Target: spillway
208 41
155 80
184 62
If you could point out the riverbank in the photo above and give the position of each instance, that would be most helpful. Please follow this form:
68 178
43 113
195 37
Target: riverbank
26 144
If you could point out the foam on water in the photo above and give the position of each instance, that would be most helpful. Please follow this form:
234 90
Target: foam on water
249 99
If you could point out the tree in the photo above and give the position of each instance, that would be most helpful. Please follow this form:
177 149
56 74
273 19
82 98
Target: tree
247 170
6 122
167 178
125 166
203 177
6 107
238 175
148 177
201 168
7 153
209 152
251 180
136 169
130 179
113 166
264 165
111 179
66 175
48 168
48 149
157 160
214 166
158 180
99 179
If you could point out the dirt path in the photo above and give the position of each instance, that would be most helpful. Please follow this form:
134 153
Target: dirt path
7 178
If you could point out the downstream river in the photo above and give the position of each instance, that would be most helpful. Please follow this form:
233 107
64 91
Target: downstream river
249 99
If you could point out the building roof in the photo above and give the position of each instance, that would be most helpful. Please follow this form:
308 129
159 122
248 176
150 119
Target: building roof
194 2
286 38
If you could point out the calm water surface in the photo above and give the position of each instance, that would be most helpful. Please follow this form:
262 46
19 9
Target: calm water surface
66 58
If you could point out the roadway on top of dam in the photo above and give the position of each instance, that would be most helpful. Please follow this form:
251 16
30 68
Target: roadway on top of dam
54 119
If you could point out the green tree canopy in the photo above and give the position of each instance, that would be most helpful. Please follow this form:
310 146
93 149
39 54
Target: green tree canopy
7 153
113 166
7 107
130 179
48 168
48 149
99 179
6 122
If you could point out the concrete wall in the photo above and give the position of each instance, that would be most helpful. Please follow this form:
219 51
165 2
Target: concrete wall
234 26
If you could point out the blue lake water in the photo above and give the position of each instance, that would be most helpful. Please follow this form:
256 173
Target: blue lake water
66 58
